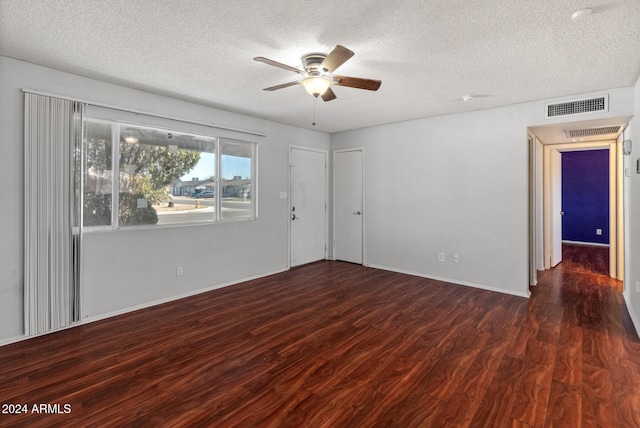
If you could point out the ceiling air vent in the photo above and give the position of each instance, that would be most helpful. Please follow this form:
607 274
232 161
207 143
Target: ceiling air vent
591 132
585 105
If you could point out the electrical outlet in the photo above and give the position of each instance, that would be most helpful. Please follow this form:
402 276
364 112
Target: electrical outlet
179 271
456 258
441 257
598 231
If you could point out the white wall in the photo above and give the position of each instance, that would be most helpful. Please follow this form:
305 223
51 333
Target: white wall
632 215
455 184
126 269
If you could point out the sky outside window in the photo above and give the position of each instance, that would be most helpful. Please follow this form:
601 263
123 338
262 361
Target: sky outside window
205 168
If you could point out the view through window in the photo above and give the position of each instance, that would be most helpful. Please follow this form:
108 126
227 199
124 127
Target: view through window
164 177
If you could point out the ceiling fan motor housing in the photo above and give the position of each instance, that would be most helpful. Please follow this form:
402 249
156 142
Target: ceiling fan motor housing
311 63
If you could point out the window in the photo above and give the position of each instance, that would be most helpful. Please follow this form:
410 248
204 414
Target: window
236 166
164 177
98 174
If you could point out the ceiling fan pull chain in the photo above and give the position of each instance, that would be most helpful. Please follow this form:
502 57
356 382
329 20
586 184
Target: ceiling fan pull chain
315 104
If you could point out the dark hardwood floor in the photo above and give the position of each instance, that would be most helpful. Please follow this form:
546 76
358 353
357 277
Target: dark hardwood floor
585 259
334 344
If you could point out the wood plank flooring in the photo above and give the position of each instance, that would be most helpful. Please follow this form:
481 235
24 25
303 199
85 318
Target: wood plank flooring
334 344
584 259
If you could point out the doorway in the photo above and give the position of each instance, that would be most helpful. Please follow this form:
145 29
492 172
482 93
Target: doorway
308 205
585 197
553 203
545 145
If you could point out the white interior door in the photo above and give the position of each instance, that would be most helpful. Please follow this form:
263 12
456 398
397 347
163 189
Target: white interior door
308 205
556 207
348 180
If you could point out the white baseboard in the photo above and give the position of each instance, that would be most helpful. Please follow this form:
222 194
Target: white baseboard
142 306
452 281
589 244
173 298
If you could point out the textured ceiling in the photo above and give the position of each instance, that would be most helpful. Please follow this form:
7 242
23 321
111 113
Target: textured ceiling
428 53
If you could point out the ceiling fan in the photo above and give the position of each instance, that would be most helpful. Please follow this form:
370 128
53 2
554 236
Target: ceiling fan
317 73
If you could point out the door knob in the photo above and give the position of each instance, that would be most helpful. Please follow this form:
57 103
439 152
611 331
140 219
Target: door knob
357 213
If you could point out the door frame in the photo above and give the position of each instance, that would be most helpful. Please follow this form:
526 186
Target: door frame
536 216
326 197
333 200
553 208
616 250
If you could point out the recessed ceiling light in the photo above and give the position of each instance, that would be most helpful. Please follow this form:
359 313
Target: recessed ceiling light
580 14
467 98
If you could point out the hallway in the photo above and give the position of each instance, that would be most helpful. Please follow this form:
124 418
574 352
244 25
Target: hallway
597 367
586 259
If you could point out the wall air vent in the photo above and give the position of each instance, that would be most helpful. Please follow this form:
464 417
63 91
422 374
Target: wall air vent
592 132
585 105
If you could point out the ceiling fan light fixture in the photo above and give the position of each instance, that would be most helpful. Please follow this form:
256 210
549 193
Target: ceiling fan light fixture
316 85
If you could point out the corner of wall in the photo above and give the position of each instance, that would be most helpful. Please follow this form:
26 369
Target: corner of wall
632 211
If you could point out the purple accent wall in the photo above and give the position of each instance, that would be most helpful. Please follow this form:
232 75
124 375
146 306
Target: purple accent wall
585 196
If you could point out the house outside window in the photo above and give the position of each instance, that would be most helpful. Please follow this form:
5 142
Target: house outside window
163 177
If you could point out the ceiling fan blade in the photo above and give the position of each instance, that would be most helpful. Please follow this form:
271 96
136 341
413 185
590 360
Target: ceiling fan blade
328 95
284 85
356 82
338 56
277 64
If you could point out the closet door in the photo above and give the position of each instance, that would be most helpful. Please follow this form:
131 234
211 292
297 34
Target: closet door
348 186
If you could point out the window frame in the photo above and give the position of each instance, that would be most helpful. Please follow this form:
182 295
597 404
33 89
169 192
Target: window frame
218 218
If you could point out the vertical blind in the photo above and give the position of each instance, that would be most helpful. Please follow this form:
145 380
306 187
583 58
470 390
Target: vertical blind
53 142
